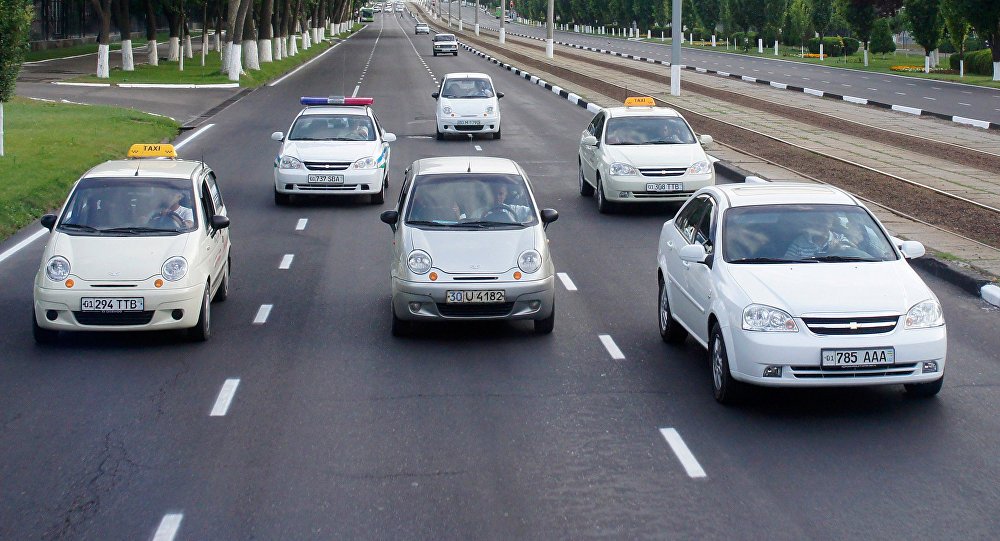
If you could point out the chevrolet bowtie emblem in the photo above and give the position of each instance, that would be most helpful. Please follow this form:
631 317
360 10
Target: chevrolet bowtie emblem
854 325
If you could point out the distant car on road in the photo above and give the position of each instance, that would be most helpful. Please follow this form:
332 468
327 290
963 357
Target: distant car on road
467 103
797 285
445 44
421 28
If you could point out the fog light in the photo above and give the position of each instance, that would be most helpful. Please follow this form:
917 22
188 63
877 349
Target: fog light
534 305
414 307
930 366
623 194
177 314
772 372
51 315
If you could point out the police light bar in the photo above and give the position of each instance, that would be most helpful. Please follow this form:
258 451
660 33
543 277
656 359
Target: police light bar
140 150
335 100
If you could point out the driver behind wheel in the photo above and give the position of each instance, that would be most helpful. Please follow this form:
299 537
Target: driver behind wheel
503 210
172 207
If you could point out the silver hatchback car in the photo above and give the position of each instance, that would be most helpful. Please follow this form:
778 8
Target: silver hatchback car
469 243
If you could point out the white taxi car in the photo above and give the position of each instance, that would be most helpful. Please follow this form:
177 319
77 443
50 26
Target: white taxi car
469 243
467 103
797 285
640 152
335 146
141 244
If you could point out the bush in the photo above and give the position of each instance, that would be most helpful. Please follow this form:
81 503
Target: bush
851 46
881 40
832 46
979 62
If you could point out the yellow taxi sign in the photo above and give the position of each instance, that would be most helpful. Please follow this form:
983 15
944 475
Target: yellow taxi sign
640 101
144 150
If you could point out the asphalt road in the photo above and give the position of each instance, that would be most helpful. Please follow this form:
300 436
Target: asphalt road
337 430
967 101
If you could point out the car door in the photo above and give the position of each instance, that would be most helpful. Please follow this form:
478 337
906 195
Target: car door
380 133
700 284
685 225
398 249
214 241
589 154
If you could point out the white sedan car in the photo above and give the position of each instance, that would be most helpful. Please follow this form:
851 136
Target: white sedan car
642 153
335 146
469 243
797 285
141 244
467 103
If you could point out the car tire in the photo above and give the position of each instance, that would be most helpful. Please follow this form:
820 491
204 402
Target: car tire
222 293
586 190
379 198
281 199
400 328
42 336
456 53
435 53
603 205
440 134
726 388
670 331
497 134
202 330
545 326
924 390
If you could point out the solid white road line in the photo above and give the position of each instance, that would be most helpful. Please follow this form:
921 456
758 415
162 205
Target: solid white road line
566 282
612 348
286 262
262 313
168 527
684 454
17 247
296 70
193 135
225 398
302 224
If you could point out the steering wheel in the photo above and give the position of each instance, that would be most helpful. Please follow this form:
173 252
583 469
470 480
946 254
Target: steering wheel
501 212
170 218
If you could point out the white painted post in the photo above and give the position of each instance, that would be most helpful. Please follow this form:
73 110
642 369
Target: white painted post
713 40
649 34
866 57
691 38
821 56
961 69
1 128
775 47
760 46
927 63
662 38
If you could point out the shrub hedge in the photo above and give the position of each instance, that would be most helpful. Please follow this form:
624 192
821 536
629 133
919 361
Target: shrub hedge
979 62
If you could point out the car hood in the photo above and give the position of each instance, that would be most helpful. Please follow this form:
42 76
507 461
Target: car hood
118 258
336 151
464 252
826 288
469 106
657 155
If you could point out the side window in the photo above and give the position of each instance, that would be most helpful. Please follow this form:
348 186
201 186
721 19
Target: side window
599 127
207 206
704 233
402 191
687 219
213 187
378 125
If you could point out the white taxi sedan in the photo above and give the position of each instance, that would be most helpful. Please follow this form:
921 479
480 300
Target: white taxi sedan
469 243
641 153
467 103
335 146
141 244
797 285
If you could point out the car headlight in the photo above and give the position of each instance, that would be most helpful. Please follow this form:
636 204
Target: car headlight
759 317
419 262
529 261
489 110
57 269
620 169
365 163
174 269
925 314
446 109
700 168
290 162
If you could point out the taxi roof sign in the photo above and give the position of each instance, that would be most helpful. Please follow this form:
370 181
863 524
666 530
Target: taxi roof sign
640 101
145 150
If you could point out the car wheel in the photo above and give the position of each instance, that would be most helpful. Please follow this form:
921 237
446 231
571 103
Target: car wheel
203 329
440 134
400 328
42 336
586 189
545 326
726 388
497 134
924 390
603 205
222 293
435 53
456 53
379 198
281 198
670 331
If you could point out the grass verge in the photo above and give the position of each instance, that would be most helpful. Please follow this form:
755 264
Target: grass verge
49 145
91 48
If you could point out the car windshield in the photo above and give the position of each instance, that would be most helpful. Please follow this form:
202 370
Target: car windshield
470 201
130 207
803 234
444 37
467 88
648 130
333 127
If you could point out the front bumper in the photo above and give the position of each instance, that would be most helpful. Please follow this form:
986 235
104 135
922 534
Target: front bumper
447 49
425 301
628 189
60 309
356 181
483 124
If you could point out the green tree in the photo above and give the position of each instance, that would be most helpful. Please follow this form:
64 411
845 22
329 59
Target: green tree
984 15
15 22
925 23
958 27
861 16
821 13
881 41
798 23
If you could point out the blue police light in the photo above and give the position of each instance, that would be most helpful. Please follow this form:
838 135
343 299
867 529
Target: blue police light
335 100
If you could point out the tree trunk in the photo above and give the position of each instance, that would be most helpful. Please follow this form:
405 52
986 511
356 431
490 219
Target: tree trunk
1 128
266 32
103 9
236 43
250 44
152 58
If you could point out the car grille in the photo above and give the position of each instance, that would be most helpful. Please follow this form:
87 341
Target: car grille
821 372
465 127
663 171
642 195
327 166
113 318
839 326
475 310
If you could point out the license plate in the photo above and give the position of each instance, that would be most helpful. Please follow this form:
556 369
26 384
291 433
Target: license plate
328 179
664 187
468 123
858 357
475 296
111 304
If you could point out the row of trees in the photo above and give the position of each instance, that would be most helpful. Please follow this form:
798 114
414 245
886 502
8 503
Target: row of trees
929 21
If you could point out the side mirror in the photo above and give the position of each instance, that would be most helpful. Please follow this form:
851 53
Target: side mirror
435 95
912 249
49 221
389 137
390 217
706 139
589 140
693 253
499 95
549 216
277 136
219 222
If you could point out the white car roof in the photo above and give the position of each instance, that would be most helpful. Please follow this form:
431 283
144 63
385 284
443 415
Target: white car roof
784 193
465 164
641 111
145 168
335 109
467 75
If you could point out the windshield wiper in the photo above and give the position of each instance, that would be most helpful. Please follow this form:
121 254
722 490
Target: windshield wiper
761 260
662 142
137 230
488 224
428 222
79 227
841 258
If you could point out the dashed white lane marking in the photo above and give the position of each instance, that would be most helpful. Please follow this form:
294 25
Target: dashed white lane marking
965 104
302 224
609 344
17 247
901 93
286 262
193 135
566 282
168 527
262 313
355 94
684 454
303 66
225 398
873 89
930 98
479 148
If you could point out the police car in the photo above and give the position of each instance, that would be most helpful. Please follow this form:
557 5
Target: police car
640 152
141 244
335 146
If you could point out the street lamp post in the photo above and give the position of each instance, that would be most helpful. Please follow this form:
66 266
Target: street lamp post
550 31
477 17
460 22
503 19
675 50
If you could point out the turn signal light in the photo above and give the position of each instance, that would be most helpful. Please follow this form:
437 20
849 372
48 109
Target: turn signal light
433 276
70 282
158 282
517 275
